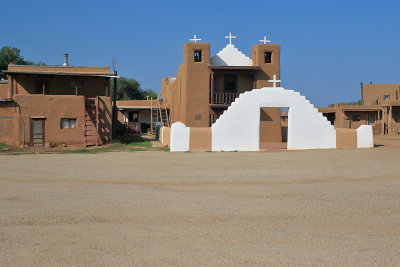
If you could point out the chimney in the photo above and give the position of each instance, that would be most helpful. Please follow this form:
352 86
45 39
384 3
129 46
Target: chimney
65 60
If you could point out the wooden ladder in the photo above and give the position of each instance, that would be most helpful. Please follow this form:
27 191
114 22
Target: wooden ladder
91 121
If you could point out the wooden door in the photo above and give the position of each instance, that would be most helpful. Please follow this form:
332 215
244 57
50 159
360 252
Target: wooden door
37 132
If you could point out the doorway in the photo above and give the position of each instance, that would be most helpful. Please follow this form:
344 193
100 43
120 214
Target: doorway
273 128
38 132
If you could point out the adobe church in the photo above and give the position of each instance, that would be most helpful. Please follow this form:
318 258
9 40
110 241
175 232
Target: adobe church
205 86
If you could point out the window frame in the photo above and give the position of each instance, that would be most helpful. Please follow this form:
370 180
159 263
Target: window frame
69 123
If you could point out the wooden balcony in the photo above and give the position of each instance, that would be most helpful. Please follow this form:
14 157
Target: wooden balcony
224 98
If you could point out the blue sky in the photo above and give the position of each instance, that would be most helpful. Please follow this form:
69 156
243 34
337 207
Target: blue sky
327 47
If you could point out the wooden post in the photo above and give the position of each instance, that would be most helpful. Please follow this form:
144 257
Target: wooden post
44 87
12 87
212 89
390 121
114 109
97 119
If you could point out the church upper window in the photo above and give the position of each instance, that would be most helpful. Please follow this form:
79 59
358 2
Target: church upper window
197 55
268 57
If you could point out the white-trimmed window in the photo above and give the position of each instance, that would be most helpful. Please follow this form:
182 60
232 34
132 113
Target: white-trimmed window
68 123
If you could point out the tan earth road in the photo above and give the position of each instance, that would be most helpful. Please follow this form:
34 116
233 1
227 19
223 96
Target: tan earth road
322 207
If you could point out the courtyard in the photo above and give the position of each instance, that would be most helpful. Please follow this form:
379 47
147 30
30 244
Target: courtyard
316 207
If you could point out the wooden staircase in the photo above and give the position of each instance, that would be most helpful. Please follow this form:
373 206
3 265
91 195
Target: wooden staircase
91 121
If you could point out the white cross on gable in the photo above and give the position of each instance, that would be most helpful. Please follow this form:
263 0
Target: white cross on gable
274 80
230 37
265 40
195 39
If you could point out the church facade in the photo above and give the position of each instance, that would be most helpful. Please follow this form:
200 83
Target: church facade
205 85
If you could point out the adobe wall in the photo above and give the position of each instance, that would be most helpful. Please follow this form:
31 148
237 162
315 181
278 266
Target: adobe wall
61 85
270 125
176 94
52 108
9 117
268 69
165 135
200 139
346 138
4 90
195 90
371 91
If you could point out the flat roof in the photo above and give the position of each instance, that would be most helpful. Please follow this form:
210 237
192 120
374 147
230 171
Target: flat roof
235 67
62 73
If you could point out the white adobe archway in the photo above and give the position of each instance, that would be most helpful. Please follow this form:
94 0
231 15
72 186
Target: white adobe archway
238 128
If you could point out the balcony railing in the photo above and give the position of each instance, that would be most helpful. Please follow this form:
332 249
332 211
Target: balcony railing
224 98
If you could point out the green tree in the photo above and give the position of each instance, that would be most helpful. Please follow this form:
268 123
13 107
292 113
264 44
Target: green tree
13 55
357 103
128 89
151 94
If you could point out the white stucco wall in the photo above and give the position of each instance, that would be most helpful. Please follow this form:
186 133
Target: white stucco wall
365 136
180 137
231 56
238 128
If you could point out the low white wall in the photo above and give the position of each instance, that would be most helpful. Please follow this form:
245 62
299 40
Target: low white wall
238 128
365 136
180 137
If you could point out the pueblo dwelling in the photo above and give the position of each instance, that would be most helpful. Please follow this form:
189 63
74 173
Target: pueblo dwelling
47 106
380 109
205 86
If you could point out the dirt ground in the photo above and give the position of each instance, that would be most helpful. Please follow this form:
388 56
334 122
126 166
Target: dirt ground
300 208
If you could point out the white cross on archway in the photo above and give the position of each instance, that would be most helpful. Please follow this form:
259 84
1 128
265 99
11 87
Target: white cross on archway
265 40
230 37
274 80
195 39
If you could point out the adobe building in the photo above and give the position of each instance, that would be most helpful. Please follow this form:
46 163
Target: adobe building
380 109
47 106
205 85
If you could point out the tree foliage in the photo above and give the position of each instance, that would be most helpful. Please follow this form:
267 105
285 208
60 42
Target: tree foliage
129 89
13 55
151 94
357 103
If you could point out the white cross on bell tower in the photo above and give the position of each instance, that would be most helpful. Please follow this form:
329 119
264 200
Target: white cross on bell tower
195 39
265 41
274 80
230 37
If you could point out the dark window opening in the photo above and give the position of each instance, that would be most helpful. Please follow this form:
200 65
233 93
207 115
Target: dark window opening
356 118
386 97
268 57
133 116
230 82
197 56
397 117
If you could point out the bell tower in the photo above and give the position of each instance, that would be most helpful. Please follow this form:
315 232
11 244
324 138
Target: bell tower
267 56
